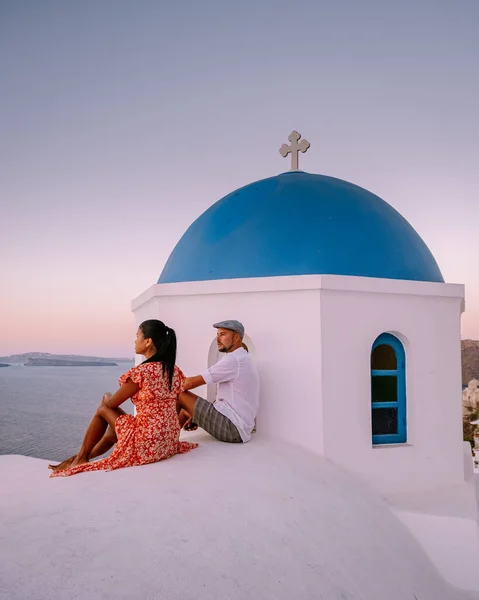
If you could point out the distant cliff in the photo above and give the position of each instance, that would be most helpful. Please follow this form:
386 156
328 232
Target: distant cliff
470 360
56 362
25 357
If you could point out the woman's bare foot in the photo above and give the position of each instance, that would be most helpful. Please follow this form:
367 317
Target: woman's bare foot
63 465
79 460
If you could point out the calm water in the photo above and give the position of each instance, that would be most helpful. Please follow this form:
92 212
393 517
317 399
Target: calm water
44 411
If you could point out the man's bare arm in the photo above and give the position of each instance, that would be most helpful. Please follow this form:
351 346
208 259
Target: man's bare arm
194 382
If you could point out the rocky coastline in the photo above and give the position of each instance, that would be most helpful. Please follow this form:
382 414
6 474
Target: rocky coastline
57 362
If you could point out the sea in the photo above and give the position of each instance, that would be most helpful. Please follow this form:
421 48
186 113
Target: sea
44 411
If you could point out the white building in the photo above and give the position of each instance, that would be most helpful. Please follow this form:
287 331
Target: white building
355 333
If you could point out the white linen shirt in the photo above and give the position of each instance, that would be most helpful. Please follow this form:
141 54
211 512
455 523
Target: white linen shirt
237 396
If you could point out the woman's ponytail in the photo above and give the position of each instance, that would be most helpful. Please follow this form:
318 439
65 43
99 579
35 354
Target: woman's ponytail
164 340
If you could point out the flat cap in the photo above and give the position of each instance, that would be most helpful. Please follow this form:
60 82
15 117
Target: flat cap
232 325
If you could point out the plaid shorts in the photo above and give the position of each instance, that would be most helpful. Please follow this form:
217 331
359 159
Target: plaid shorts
216 424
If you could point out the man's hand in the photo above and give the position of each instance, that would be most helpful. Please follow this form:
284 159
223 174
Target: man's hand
193 382
190 426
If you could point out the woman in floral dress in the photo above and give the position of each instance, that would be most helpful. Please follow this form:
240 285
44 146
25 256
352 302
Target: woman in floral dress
153 434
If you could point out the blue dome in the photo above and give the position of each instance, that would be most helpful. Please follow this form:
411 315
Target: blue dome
300 224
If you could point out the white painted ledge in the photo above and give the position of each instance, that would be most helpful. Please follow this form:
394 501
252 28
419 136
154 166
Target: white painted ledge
302 282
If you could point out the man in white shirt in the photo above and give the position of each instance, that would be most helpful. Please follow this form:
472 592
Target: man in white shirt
232 416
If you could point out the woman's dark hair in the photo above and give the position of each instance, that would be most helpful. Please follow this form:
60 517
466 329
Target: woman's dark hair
164 340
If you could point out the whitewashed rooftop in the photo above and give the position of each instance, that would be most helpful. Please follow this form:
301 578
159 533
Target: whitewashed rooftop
263 521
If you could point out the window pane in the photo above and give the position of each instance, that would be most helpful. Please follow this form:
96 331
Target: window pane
383 358
384 388
385 421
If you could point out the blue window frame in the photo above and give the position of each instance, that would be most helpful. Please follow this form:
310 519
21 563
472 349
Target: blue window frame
388 391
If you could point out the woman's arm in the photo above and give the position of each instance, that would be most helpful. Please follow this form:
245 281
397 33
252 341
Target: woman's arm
127 390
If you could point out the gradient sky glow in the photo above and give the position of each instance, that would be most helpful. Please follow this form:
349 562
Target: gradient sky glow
121 122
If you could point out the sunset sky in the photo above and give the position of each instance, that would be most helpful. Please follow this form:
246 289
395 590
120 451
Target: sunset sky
121 122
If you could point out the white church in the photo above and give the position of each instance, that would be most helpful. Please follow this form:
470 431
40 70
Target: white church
355 333
356 485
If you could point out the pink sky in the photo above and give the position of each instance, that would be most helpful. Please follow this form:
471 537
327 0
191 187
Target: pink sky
119 129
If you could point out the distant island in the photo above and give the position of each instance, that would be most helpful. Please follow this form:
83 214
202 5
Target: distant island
45 359
58 362
4 365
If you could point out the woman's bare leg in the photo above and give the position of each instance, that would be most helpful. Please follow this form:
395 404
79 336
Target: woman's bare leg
96 430
106 442
94 435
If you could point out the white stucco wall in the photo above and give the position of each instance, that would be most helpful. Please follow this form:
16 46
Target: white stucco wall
426 319
283 339
312 338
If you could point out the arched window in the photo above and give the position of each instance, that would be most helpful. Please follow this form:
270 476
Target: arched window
388 391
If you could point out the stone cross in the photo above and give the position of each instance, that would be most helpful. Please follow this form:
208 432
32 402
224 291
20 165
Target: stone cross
294 149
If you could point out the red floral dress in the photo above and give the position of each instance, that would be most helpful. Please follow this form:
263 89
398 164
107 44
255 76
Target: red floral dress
153 434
